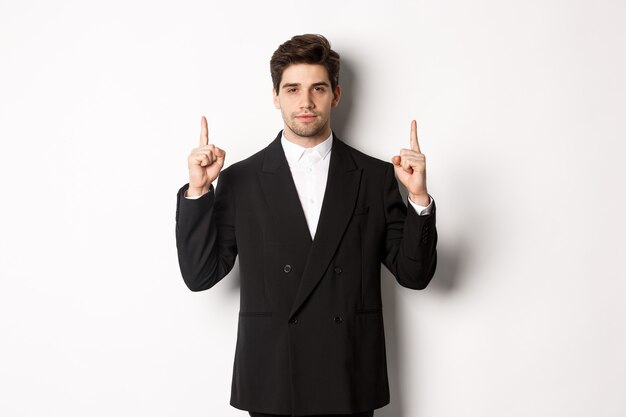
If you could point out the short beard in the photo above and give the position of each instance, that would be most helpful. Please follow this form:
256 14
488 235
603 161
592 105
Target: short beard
305 132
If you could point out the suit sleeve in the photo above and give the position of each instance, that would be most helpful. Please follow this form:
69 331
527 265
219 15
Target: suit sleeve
205 235
411 239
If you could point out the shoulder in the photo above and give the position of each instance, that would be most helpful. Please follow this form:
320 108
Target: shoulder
245 165
249 166
363 160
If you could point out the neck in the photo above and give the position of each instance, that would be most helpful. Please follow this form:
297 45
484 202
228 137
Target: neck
306 141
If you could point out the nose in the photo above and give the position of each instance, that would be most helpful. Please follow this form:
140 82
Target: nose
307 101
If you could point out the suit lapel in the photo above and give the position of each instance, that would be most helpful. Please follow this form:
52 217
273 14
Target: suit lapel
282 197
339 200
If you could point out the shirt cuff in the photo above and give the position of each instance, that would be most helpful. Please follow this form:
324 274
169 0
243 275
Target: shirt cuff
194 197
422 210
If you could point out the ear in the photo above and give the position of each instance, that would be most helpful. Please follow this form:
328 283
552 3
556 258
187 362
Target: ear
336 96
276 99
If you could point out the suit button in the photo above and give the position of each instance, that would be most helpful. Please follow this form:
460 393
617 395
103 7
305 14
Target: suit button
338 270
293 321
287 268
338 319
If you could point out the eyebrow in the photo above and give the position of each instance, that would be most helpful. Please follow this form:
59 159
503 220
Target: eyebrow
322 83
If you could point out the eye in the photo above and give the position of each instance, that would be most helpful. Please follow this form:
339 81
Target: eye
291 90
320 88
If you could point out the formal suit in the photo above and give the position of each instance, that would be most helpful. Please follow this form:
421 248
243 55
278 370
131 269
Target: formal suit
310 337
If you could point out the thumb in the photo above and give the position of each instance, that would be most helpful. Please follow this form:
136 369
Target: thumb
396 160
220 153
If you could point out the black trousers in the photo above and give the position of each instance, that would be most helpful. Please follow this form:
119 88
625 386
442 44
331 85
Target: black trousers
363 414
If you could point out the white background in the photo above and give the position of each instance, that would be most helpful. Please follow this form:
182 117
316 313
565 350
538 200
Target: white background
520 108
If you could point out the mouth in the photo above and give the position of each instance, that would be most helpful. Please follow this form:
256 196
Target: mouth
306 117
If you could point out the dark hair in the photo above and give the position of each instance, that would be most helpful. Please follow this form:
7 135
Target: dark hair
305 49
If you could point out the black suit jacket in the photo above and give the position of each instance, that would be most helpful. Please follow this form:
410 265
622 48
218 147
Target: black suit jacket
310 337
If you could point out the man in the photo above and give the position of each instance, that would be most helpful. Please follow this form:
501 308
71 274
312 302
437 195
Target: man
311 219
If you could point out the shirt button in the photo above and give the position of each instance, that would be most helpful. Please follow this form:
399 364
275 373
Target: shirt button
287 268
293 321
338 270
338 319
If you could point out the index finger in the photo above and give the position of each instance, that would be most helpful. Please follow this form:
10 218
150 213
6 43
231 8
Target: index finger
204 132
414 143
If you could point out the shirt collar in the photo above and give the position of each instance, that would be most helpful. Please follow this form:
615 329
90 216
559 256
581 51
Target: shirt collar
294 152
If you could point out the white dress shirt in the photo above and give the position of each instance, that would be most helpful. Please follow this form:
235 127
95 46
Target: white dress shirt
309 169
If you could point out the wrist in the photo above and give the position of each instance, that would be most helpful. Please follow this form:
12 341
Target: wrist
420 199
196 192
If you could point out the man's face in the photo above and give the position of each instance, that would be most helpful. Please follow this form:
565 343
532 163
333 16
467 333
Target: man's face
305 99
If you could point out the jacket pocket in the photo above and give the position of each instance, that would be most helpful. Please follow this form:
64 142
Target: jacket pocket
370 311
254 313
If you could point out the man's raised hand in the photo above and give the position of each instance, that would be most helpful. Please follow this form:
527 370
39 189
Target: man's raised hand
410 167
205 163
